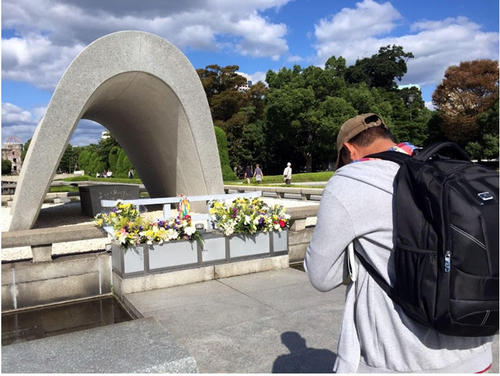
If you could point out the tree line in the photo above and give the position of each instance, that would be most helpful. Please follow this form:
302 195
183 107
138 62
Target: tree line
296 114
296 117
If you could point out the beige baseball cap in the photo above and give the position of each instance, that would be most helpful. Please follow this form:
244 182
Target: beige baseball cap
354 126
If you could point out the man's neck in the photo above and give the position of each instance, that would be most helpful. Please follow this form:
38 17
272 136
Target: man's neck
378 146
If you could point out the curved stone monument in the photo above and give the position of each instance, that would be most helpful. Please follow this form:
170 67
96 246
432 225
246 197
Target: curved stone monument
149 96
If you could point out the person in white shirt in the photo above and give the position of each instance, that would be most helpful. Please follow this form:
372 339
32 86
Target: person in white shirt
287 173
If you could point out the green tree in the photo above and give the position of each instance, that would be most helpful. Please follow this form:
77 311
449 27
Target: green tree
104 147
227 172
113 157
216 79
6 167
487 146
122 164
25 149
382 69
291 125
332 113
68 160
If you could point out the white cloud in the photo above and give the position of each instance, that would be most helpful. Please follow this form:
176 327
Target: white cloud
435 44
12 114
50 33
367 19
254 77
20 122
87 132
430 105
295 59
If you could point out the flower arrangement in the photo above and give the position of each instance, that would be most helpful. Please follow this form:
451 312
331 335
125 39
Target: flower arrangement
247 216
131 229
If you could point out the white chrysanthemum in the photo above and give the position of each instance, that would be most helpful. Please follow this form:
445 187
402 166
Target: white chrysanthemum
190 230
171 234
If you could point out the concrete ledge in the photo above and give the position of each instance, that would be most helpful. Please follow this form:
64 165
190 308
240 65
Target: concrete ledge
123 286
250 266
302 212
45 236
27 284
139 346
280 191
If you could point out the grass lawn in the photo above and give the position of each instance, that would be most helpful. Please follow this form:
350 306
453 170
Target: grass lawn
108 180
268 179
63 188
306 176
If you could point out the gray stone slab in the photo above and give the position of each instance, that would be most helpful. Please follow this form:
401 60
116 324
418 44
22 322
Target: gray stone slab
254 323
304 341
257 282
286 292
223 307
140 346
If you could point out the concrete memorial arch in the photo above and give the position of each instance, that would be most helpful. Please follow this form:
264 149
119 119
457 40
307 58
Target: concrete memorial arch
148 95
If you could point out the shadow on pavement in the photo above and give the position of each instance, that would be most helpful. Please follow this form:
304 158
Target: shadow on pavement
302 359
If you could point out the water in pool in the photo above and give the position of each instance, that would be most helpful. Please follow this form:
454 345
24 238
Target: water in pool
64 318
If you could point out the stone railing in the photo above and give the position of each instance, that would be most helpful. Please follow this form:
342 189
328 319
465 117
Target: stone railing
280 192
300 233
41 240
44 280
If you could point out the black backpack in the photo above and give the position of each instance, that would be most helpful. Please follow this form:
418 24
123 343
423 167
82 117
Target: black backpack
445 241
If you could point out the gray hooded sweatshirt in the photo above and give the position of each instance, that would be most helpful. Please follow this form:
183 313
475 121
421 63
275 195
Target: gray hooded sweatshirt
376 335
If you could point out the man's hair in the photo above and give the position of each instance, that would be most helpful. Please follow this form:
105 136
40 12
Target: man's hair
365 138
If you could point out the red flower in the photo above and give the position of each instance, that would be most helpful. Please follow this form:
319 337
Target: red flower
282 223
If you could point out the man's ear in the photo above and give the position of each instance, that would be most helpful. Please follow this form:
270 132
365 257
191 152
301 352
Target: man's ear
353 151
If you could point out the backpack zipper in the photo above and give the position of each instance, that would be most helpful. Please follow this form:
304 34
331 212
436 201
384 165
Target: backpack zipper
447 261
485 317
468 236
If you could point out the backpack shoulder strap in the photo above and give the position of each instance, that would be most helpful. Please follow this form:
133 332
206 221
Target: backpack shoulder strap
378 278
393 156
434 149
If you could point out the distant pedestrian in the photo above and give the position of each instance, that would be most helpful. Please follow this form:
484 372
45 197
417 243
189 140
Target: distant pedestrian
258 174
130 174
109 174
248 173
287 173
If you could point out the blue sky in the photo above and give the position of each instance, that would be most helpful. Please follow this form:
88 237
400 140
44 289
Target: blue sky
41 38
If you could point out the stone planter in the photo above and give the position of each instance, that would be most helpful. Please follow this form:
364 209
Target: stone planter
248 245
216 249
213 248
131 261
171 254
280 241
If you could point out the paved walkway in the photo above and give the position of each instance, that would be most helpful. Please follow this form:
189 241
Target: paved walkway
265 322
257 323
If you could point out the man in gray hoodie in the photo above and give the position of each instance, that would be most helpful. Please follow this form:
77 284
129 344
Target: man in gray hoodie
356 206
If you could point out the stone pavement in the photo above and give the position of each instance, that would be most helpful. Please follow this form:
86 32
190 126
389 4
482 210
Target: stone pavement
264 322
139 346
